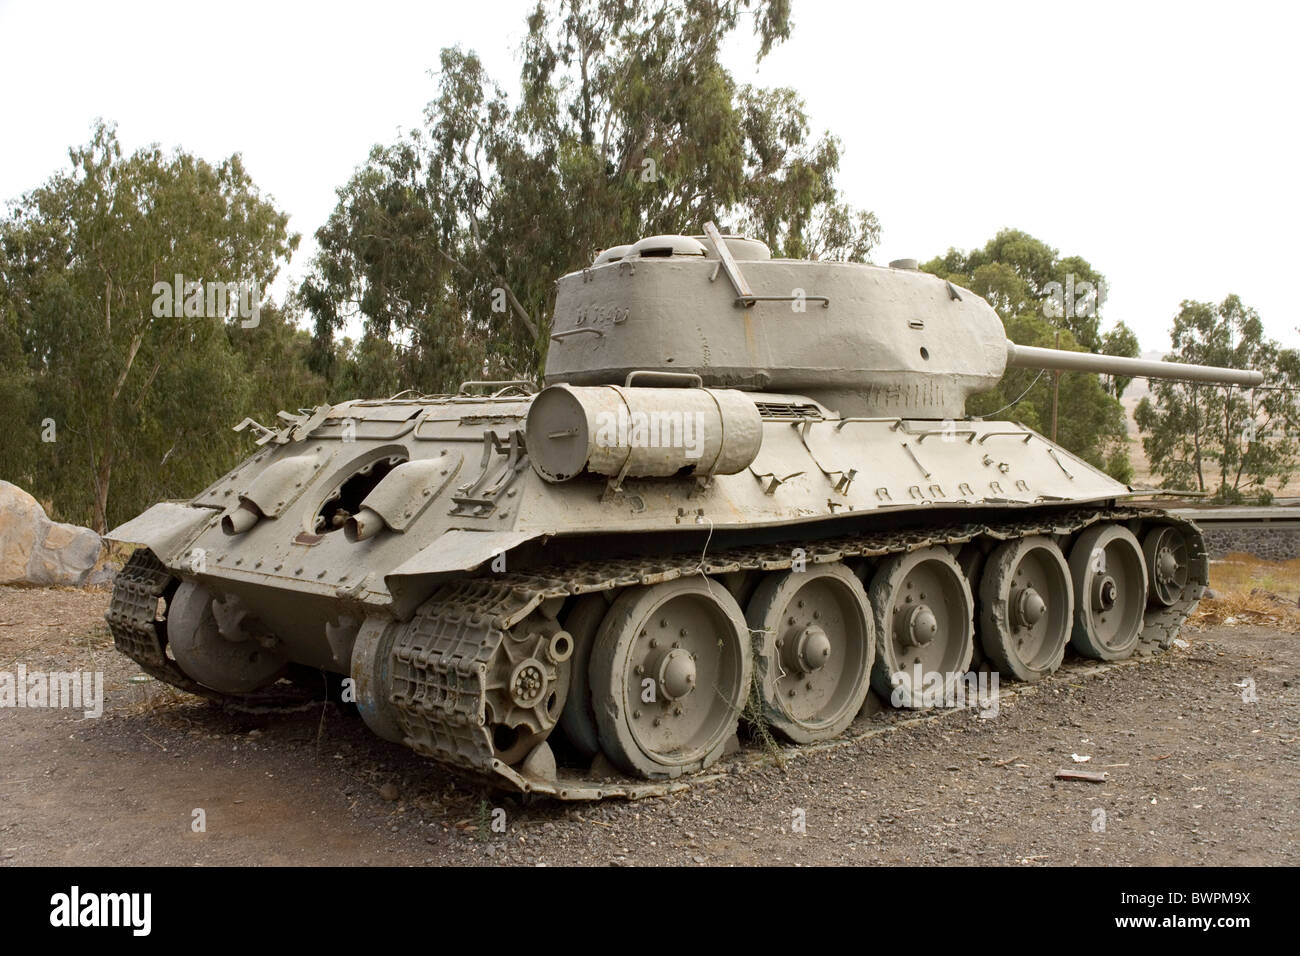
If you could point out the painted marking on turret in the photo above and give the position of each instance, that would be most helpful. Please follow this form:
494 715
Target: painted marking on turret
914 395
587 316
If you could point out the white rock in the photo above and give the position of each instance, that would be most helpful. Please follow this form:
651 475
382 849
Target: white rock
21 520
36 550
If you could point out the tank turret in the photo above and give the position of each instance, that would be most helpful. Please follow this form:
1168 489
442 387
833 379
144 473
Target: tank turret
864 340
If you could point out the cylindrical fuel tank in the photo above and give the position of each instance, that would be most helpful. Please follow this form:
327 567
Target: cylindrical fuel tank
641 432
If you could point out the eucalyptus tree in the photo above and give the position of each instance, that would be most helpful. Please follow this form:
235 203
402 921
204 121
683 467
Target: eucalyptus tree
127 378
444 246
1230 443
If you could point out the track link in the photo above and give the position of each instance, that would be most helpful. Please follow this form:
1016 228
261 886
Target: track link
441 657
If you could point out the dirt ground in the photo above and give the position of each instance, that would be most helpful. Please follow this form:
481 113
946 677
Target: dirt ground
1195 775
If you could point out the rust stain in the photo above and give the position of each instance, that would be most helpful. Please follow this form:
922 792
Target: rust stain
751 347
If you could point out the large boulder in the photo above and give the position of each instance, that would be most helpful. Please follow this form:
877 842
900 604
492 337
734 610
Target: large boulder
21 520
35 550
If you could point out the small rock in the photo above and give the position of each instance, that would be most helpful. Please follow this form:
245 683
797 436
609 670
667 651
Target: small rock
389 792
102 577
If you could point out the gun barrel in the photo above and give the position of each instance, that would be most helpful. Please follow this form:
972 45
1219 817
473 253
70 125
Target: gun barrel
1028 356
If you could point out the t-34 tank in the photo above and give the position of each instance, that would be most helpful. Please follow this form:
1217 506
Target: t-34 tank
746 482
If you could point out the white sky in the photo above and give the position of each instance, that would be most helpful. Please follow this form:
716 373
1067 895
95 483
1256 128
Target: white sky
1157 140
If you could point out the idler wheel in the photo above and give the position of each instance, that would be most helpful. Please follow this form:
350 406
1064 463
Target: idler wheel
1168 563
227 666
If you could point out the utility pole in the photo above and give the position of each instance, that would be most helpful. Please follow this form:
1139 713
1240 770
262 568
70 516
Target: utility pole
1056 389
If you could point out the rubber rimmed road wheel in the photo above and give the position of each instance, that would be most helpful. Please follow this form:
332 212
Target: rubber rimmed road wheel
1110 592
1026 608
924 620
670 674
578 720
814 646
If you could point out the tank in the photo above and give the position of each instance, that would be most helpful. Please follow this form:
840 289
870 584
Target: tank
745 487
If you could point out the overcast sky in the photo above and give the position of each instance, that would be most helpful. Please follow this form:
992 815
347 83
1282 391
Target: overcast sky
1156 140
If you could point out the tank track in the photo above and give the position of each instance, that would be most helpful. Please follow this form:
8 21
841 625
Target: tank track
137 633
441 656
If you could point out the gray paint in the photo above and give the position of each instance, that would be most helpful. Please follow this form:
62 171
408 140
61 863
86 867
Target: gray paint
845 402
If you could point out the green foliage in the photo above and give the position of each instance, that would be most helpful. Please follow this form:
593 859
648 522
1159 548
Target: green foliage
17 397
1040 295
1019 274
1121 341
134 401
447 243
1227 441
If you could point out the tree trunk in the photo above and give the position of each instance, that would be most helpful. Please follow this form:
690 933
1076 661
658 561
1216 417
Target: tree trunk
1227 442
1196 440
103 474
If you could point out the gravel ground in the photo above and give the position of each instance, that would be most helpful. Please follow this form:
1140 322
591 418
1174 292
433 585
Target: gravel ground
1195 775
